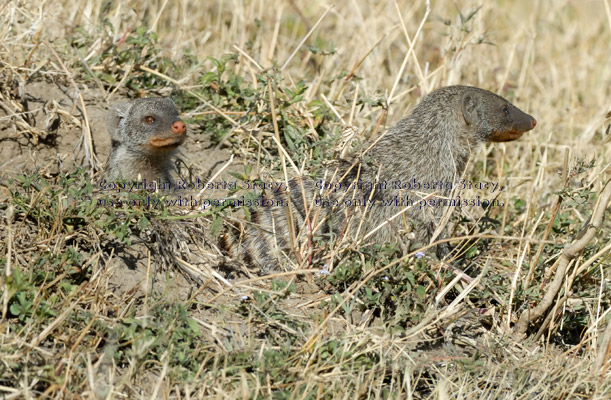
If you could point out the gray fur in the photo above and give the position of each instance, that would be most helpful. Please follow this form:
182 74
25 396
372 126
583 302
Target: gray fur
432 144
141 149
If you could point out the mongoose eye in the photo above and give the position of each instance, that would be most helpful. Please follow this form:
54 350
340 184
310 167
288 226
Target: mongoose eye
149 119
506 110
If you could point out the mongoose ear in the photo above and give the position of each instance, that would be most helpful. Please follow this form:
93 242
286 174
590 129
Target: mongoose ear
469 108
115 114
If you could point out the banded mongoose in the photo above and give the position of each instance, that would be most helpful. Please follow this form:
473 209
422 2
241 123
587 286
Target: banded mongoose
432 145
144 134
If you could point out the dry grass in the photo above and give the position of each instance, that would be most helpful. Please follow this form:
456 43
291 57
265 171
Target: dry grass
68 332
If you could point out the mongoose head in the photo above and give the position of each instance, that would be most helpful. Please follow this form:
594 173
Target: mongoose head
144 135
147 126
494 118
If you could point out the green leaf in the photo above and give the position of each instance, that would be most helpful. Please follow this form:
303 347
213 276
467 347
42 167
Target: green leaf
217 223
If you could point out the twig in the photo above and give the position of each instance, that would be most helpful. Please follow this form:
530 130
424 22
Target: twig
288 60
283 156
604 350
409 51
568 254
88 143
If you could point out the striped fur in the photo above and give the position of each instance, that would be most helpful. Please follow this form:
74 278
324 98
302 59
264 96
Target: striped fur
432 144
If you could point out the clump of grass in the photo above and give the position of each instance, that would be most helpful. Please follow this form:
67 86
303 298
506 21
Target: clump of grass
399 296
71 206
246 116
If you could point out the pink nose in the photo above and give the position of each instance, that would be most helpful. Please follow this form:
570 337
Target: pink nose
179 127
533 123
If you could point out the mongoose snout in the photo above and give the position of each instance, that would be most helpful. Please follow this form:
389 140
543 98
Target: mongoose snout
144 135
175 139
522 123
179 127
501 120
167 138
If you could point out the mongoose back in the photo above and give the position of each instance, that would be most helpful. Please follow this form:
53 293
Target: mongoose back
431 146
145 134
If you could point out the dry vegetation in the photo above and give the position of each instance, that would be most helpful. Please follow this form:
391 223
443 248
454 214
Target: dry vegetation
103 302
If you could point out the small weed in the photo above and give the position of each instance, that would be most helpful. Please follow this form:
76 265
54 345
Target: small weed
400 295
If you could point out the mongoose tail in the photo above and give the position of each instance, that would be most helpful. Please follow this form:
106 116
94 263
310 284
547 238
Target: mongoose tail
145 134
